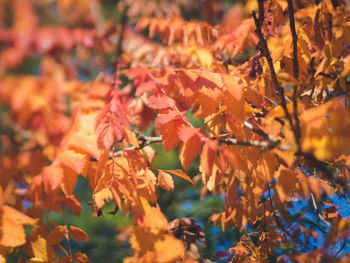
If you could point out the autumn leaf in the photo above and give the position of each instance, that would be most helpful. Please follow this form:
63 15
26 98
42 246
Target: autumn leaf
102 196
42 251
205 57
52 177
76 161
208 156
169 126
192 143
165 181
181 174
12 231
161 102
81 257
84 143
56 235
78 234
169 250
286 181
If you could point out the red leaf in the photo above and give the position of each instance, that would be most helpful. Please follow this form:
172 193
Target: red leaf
161 102
170 116
108 137
145 87
187 133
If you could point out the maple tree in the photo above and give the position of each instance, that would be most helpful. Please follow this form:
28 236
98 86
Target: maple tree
268 80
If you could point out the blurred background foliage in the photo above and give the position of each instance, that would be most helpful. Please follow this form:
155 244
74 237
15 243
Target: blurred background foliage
108 234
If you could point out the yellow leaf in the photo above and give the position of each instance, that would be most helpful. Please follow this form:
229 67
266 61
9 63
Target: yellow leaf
12 231
42 250
102 196
205 57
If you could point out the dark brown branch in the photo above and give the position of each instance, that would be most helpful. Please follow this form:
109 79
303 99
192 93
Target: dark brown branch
295 39
119 49
296 129
261 12
326 171
267 55
330 76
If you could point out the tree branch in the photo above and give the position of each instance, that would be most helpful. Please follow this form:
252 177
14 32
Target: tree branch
260 132
267 55
318 211
144 141
296 129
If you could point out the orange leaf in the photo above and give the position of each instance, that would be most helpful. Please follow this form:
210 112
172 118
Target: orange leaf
55 236
169 249
192 139
85 143
12 231
102 196
165 180
286 182
78 234
73 204
132 137
52 177
234 96
81 258
208 155
69 180
149 152
76 161
169 126
180 173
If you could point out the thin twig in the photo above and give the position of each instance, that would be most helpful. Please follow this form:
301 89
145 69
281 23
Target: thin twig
341 248
119 49
296 129
279 223
260 132
317 210
144 141
253 143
